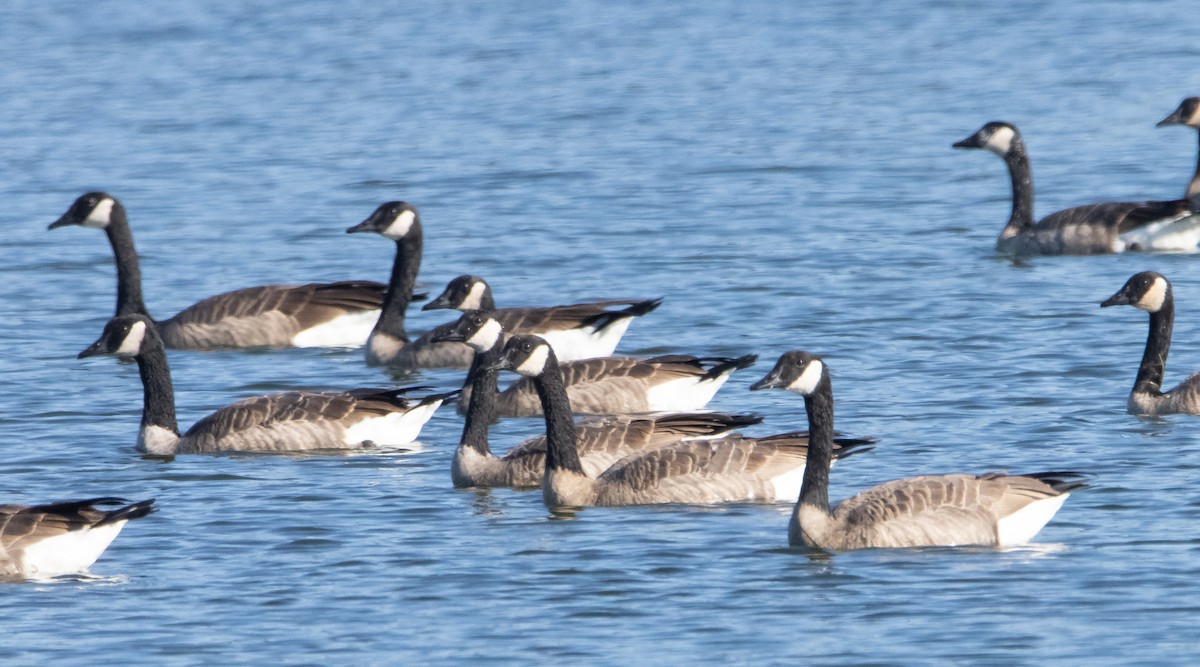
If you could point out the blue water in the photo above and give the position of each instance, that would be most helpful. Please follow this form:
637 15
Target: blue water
780 173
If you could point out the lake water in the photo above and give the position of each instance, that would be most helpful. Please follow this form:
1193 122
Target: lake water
780 173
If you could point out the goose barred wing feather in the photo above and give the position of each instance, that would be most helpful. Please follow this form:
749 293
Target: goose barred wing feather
700 471
941 510
268 315
21 525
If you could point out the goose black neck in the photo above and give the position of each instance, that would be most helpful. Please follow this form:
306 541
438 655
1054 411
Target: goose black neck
481 406
487 301
1193 190
400 287
814 490
158 396
1022 187
1158 344
129 273
561 452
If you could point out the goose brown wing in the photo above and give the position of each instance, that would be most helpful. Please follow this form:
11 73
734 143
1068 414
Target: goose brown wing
22 525
306 305
556 318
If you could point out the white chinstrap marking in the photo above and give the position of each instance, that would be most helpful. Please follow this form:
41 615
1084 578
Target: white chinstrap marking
1000 142
535 363
474 298
1156 294
132 344
807 382
400 226
484 339
101 214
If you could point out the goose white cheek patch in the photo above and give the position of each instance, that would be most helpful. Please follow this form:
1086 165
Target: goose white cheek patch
533 365
808 380
133 341
1000 142
486 337
400 226
101 215
474 297
1152 300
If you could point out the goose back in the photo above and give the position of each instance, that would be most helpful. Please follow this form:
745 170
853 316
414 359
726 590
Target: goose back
61 538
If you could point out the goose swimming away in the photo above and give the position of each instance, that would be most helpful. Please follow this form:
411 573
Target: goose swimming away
691 471
1151 292
576 331
291 421
601 385
61 538
993 509
336 314
1188 114
1083 230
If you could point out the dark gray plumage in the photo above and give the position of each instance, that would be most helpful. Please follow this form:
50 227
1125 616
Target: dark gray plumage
694 471
285 422
60 538
1082 230
944 510
318 314
1151 292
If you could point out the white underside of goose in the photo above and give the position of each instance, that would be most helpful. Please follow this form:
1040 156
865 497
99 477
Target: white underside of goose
1180 234
393 430
1020 526
683 394
69 552
587 342
349 330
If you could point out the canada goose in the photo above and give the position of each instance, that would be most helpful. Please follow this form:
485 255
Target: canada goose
1188 113
61 538
1151 292
690 471
315 315
603 385
287 422
388 344
576 331
935 510
1082 230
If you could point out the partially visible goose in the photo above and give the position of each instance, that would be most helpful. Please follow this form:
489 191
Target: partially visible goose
1083 230
603 385
692 471
1188 113
576 331
287 422
388 344
315 315
993 509
1151 292
61 538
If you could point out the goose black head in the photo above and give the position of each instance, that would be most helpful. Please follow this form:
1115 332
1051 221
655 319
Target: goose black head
464 293
1188 113
527 355
796 371
394 220
92 209
997 136
1147 291
123 336
476 328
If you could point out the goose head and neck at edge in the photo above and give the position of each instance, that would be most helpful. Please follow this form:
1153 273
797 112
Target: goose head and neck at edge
1005 140
400 222
136 336
565 483
1188 115
807 375
1151 292
103 211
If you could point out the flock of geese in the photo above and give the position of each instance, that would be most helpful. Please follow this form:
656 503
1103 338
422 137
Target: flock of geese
649 438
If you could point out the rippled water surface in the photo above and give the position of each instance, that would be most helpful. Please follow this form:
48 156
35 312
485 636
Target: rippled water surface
780 173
